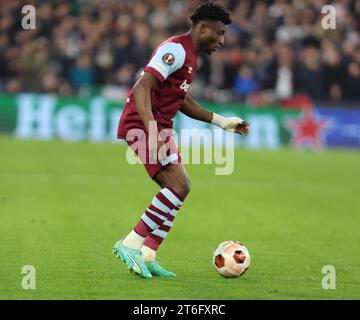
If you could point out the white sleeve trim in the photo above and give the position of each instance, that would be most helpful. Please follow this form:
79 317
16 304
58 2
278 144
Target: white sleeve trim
176 52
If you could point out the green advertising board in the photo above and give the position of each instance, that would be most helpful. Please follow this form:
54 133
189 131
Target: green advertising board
46 117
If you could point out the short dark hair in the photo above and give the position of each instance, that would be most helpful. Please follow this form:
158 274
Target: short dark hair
211 11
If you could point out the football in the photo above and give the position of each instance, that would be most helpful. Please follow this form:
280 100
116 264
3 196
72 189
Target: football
231 259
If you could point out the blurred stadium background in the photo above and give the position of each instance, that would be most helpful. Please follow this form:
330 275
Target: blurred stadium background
62 204
276 47
276 55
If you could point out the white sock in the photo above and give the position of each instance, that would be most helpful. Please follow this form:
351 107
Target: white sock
148 254
133 240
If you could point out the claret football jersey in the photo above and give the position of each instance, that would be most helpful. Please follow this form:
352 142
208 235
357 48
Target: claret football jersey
174 63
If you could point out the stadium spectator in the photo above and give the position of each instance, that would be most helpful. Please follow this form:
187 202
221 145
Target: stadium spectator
311 74
280 72
352 85
82 75
245 82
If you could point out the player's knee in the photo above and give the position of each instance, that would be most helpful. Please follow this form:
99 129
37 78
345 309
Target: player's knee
183 188
186 187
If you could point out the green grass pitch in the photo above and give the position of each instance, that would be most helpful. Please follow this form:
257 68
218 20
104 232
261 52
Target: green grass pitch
64 205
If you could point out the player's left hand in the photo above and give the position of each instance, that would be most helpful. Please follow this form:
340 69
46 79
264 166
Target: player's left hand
232 124
242 128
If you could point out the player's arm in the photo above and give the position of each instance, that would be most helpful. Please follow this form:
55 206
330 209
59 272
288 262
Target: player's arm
233 124
142 95
193 110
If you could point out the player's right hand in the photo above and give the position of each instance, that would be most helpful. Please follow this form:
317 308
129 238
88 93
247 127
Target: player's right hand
157 152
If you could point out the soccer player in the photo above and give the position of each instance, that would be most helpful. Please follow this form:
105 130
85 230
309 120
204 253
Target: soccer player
146 123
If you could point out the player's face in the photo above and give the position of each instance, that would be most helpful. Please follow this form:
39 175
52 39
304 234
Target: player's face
211 36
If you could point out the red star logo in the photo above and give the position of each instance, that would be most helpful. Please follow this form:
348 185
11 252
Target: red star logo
308 130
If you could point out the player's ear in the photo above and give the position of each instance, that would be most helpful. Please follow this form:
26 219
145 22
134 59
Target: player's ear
203 27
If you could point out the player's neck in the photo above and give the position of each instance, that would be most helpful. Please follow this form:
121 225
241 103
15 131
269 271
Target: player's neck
194 39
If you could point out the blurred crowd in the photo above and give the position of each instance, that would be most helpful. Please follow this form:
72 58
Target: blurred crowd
273 49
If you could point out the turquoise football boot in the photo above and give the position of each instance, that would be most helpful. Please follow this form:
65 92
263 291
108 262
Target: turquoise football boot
157 270
132 259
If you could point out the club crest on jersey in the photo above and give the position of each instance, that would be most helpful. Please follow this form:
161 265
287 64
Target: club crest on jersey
168 58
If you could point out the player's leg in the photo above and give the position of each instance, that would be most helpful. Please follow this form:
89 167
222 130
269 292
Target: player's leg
164 203
176 179
160 213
